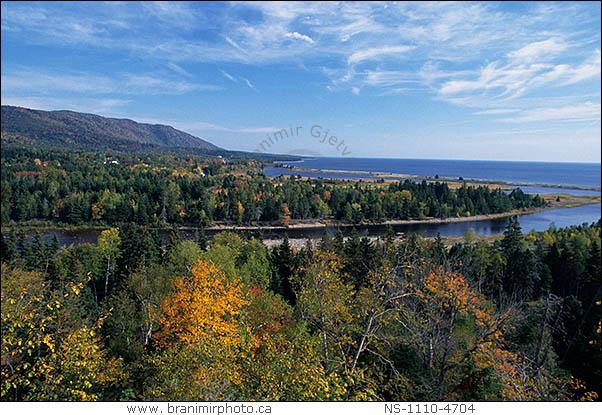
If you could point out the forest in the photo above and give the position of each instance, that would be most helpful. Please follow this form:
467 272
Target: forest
343 319
49 187
209 206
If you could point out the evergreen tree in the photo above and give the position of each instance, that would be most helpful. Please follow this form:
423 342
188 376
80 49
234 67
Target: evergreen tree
326 242
37 257
202 239
438 251
283 265
54 245
23 246
354 263
9 247
518 277
174 239
339 243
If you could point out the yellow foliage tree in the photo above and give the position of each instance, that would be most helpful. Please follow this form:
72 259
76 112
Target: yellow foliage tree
203 309
201 336
38 361
282 361
324 300
220 341
448 297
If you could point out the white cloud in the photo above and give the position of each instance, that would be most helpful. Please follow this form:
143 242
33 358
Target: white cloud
170 12
236 45
150 84
588 69
193 126
299 36
486 56
501 82
27 79
106 106
178 69
235 79
535 50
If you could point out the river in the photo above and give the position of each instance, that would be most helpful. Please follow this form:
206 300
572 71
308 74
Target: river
539 221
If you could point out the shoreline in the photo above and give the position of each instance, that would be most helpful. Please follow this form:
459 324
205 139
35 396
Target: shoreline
567 201
573 201
395 176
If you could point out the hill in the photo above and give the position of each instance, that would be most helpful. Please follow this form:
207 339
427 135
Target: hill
92 132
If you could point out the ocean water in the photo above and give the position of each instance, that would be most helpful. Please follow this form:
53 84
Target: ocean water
567 174
576 174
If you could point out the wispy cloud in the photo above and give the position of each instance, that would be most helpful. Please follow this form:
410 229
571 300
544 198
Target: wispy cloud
535 50
202 126
106 106
587 111
228 76
179 70
497 111
235 45
28 79
249 84
374 53
169 12
486 56
236 79
502 82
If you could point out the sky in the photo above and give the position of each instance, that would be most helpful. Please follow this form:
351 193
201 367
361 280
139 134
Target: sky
467 80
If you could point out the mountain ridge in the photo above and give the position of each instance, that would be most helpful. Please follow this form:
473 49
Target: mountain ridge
92 132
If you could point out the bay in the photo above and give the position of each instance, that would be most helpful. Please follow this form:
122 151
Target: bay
572 174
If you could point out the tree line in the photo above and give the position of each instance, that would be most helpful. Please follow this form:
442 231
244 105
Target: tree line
53 186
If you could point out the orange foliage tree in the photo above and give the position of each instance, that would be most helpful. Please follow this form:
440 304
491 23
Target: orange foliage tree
220 341
285 216
203 309
200 334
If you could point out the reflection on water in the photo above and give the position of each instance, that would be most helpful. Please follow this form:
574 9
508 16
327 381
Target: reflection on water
539 221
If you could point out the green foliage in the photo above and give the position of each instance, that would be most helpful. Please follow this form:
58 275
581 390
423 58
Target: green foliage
77 187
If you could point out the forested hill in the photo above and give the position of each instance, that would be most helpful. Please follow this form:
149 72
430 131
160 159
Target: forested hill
91 132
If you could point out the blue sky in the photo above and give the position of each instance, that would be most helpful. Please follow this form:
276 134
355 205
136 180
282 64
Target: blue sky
489 81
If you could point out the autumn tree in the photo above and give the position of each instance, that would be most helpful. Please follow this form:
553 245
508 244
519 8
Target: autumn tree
44 359
282 359
109 244
324 301
285 215
201 319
